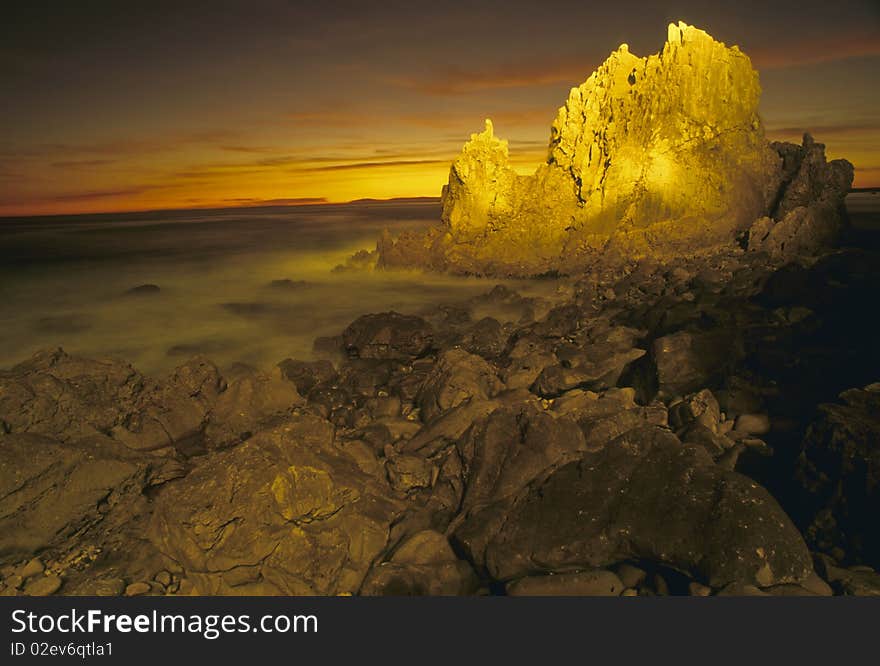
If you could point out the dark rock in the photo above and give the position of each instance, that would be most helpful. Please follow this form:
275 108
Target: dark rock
487 338
839 471
644 496
143 290
701 407
66 324
252 402
599 583
423 564
808 213
328 346
457 377
512 446
597 368
689 360
305 375
409 473
606 416
287 284
388 335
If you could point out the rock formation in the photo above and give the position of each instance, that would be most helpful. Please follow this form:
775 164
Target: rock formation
659 156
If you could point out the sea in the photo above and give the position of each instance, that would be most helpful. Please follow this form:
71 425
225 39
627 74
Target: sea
238 285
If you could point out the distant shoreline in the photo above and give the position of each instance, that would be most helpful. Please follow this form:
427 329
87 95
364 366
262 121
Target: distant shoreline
275 206
210 209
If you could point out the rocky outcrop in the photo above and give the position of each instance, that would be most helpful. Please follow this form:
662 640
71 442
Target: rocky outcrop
621 503
808 214
638 434
839 470
69 398
663 155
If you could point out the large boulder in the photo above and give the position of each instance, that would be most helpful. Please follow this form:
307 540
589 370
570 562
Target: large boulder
457 377
68 495
506 450
68 397
839 470
809 212
252 401
388 335
285 512
644 496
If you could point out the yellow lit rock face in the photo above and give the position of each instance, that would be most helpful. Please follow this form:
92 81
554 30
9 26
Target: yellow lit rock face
653 155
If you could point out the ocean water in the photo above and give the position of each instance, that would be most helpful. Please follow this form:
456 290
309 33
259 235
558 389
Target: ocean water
63 282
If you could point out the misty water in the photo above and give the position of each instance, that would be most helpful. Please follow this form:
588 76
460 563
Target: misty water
63 282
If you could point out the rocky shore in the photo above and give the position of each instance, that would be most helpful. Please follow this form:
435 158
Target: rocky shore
704 427
694 410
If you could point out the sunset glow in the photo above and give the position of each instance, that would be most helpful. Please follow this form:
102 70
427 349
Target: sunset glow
294 105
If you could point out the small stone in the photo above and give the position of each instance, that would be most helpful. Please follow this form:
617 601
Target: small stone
186 587
43 586
630 575
816 585
741 590
752 424
696 589
32 568
14 581
137 589
660 585
163 577
109 587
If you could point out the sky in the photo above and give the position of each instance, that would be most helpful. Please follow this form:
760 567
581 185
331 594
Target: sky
116 106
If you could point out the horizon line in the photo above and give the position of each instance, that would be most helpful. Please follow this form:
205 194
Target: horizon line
317 201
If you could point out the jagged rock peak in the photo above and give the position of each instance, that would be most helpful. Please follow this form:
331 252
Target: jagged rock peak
658 155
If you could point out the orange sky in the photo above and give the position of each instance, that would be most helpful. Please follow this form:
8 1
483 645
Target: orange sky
163 107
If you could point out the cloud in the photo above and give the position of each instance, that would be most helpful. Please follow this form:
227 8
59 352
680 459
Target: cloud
98 194
373 165
835 129
295 201
77 164
456 80
831 48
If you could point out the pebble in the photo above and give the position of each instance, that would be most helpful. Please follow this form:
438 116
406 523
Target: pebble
163 577
32 568
630 575
186 587
699 590
752 424
660 585
137 589
43 586
109 587
816 585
